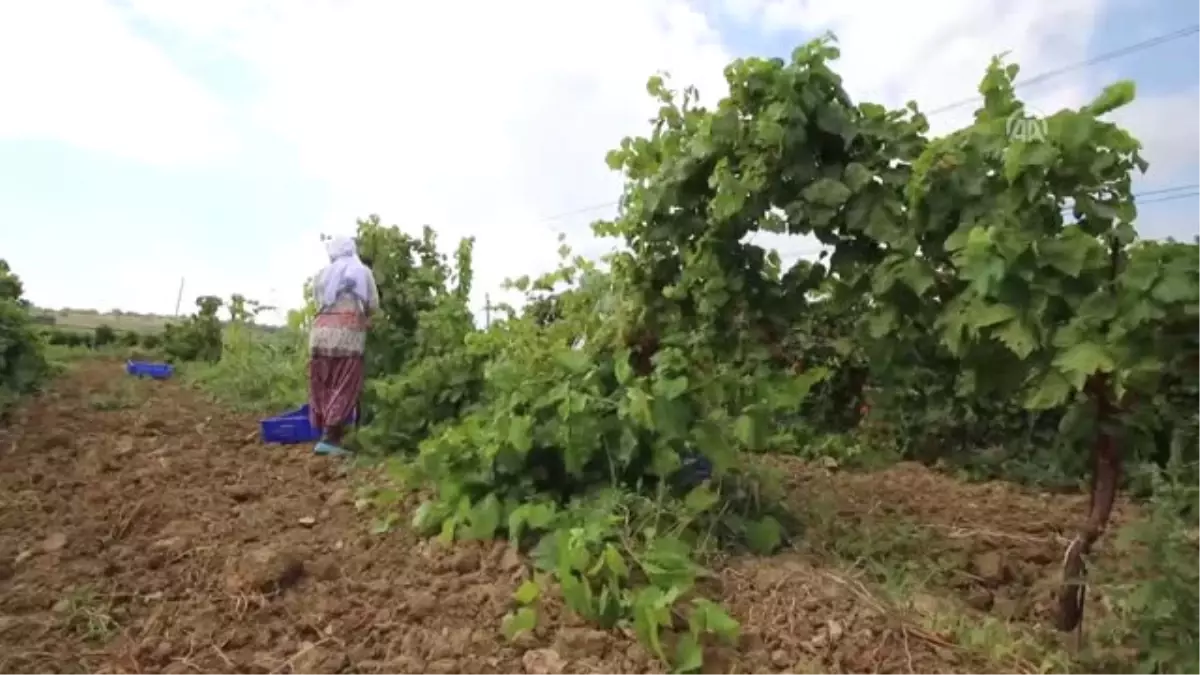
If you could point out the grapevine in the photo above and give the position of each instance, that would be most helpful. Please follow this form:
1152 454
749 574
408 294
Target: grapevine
197 338
1003 274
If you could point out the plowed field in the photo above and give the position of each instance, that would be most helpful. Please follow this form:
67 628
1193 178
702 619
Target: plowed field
145 529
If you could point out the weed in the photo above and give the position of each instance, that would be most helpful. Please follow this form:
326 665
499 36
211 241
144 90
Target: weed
88 614
121 396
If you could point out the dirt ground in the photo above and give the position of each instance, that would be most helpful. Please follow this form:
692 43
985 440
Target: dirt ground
145 529
993 546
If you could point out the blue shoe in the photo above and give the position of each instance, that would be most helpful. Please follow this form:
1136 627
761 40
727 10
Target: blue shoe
324 448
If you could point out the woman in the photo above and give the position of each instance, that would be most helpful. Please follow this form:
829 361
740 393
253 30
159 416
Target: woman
346 296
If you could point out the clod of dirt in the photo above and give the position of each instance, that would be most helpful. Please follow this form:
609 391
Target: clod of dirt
242 493
54 542
55 440
1005 608
265 569
990 568
8 622
465 561
314 659
153 425
339 496
511 560
926 604
828 634
124 446
163 651
421 605
325 569
981 599
400 664
443 667
581 641
173 539
543 662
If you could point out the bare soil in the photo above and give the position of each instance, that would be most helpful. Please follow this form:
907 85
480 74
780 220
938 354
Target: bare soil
145 529
994 545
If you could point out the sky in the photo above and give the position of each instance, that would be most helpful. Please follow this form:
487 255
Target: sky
143 142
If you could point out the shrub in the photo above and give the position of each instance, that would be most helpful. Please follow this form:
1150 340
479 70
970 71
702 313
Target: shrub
22 364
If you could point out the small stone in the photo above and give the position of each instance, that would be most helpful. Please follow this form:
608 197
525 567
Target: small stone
307 521
170 544
990 568
543 662
54 542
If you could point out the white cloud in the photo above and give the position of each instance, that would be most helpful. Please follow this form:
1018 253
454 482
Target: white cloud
1166 126
477 118
935 52
80 75
483 118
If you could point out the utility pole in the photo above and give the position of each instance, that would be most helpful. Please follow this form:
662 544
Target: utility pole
487 311
179 296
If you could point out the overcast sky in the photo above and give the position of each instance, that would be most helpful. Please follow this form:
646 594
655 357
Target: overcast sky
142 141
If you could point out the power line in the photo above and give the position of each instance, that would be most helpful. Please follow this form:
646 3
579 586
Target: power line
1095 60
1170 198
1160 195
575 212
1036 79
1177 188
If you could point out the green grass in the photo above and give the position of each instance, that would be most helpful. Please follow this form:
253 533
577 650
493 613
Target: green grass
84 321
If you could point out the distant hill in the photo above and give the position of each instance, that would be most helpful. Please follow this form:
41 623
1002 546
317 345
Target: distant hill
90 319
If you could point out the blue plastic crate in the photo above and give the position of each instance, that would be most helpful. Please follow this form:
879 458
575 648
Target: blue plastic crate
159 371
293 427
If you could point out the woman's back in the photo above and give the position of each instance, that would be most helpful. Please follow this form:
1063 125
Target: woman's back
340 328
347 300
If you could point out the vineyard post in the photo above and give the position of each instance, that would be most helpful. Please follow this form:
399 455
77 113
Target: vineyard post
179 296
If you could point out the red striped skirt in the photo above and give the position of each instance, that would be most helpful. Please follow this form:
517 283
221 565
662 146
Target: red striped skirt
335 370
334 386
